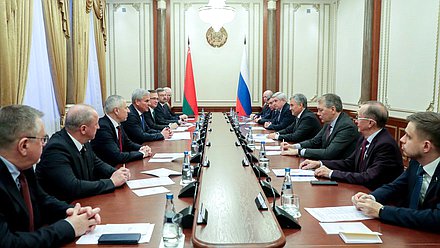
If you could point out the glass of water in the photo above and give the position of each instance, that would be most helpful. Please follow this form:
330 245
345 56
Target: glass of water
172 232
291 205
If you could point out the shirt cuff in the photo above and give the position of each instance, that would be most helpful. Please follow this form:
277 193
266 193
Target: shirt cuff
296 146
302 152
68 221
277 135
330 174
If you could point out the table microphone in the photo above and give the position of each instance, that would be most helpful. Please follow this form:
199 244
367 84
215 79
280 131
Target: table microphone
285 219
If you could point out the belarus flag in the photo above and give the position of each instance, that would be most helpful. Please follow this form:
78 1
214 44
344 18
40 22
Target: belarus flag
243 105
189 91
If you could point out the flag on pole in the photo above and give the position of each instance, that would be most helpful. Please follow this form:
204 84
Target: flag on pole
243 105
189 91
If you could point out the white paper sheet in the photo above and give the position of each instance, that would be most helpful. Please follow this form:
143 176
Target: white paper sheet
180 136
162 172
273 153
294 173
145 229
270 148
247 123
160 160
149 182
258 128
180 129
303 178
151 191
336 228
335 214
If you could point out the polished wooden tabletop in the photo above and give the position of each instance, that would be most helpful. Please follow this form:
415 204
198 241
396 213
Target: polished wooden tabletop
231 217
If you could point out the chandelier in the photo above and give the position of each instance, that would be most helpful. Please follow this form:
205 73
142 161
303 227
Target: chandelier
217 14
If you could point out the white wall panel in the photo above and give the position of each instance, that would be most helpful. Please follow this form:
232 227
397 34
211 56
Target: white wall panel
306 47
408 75
216 70
130 55
349 42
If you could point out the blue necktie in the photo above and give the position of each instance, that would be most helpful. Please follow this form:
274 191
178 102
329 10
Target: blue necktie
142 122
415 196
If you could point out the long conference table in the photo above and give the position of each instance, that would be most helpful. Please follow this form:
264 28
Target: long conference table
227 190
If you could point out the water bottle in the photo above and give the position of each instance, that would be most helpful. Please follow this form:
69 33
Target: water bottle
262 152
203 113
170 232
250 138
231 112
186 169
287 190
194 148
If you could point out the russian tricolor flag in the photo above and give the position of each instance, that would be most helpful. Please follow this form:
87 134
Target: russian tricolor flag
243 105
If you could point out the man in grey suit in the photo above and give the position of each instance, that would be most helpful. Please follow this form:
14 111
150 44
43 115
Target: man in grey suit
337 138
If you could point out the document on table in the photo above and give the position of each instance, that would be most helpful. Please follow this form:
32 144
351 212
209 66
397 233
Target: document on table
258 128
180 136
149 182
335 214
145 229
270 148
247 123
294 173
273 153
151 191
165 157
262 137
337 227
162 172
180 129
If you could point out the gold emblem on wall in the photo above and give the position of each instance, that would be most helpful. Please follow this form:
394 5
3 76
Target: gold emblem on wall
216 39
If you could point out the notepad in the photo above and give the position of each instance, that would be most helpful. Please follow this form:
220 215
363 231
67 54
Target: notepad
361 238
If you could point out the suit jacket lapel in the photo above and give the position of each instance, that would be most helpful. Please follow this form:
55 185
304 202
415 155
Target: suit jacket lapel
10 186
433 188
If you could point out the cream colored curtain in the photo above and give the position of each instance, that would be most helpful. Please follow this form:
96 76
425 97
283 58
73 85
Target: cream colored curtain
56 20
80 46
101 42
15 42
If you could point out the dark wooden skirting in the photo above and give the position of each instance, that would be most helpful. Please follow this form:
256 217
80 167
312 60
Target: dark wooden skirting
216 109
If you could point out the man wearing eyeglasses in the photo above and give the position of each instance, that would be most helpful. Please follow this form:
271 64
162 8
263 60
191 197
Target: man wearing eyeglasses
375 161
69 169
412 200
29 217
337 138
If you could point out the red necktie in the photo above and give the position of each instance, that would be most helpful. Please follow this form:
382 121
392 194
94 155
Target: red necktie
327 132
27 200
120 138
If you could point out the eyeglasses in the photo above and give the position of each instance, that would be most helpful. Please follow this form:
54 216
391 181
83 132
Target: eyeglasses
363 118
42 139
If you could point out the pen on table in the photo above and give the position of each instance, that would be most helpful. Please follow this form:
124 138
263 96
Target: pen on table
123 165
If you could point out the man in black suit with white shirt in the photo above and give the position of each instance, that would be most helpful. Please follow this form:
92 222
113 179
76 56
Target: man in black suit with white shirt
284 117
29 217
111 143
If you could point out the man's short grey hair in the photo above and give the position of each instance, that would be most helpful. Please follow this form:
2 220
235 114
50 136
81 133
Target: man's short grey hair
280 96
138 94
78 115
112 102
16 122
160 90
376 111
300 99
167 89
331 100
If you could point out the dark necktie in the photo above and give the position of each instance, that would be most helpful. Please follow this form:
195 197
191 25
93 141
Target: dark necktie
84 167
327 132
142 122
120 138
27 199
363 150
415 196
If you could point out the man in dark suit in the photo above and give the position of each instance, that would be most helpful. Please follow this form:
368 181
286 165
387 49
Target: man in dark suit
305 126
28 216
265 110
111 143
272 113
135 126
337 138
284 117
375 161
69 169
416 192
163 113
150 115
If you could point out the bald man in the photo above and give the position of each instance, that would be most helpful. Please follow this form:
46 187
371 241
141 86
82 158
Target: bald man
69 169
